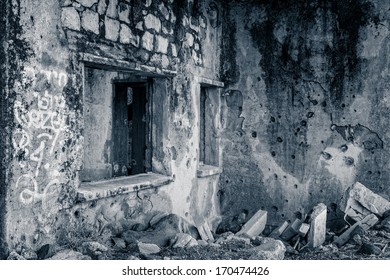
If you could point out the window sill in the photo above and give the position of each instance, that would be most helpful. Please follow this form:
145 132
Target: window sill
208 170
121 185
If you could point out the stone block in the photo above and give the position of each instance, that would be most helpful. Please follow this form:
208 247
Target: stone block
112 29
127 37
365 198
164 61
152 22
140 26
87 3
90 21
303 229
124 12
366 223
291 230
70 18
148 41
279 230
164 11
148 248
317 232
173 49
189 39
162 44
112 9
255 225
102 7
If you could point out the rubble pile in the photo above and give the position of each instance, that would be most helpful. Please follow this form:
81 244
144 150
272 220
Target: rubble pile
366 235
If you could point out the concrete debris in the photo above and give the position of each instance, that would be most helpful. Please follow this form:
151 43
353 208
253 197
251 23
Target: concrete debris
93 248
271 250
69 255
317 232
15 256
158 217
291 230
303 229
183 240
205 232
358 201
368 248
366 223
119 243
255 225
29 254
232 223
279 230
148 248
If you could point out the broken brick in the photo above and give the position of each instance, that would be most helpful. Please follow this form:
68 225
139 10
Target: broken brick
366 223
317 232
303 229
255 225
279 230
359 201
205 232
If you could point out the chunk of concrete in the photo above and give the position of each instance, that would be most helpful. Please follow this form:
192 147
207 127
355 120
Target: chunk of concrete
366 223
291 230
255 225
358 201
148 248
68 254
205 232
279 230
271 250
317 232
303 229
182 240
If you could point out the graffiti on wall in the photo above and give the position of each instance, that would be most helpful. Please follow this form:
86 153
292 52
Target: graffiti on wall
40 122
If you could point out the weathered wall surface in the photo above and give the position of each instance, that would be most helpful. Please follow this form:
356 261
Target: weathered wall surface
46 107
306 107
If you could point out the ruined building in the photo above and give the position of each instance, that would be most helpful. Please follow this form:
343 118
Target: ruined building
113 111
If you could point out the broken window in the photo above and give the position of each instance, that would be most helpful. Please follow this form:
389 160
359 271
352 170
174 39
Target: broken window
208 126
117 138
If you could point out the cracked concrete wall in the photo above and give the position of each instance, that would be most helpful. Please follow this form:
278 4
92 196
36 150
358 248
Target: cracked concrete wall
45 108
305 113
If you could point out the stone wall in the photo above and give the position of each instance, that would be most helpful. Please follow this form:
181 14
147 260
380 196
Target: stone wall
45 108
306 104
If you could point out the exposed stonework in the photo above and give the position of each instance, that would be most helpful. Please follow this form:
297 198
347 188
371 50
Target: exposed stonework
90 21
70 18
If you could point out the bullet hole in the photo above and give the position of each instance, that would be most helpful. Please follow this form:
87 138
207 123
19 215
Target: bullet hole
293 156
227 181
274 208
279 139
273 153
272 119
322 141
276 176
323 104
296 186
279 116
353 96
282 215
93 204
321 191
298 129
303 123
254 134
369 172
314 102
379 173
298 215
326 155
349 161
309 115
343 105
286 200
258 79
77 214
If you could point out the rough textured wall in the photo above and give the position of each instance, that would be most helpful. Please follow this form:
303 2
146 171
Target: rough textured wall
306 107
3 83
47 104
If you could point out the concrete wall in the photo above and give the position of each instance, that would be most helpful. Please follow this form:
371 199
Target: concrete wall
45 109
306 106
